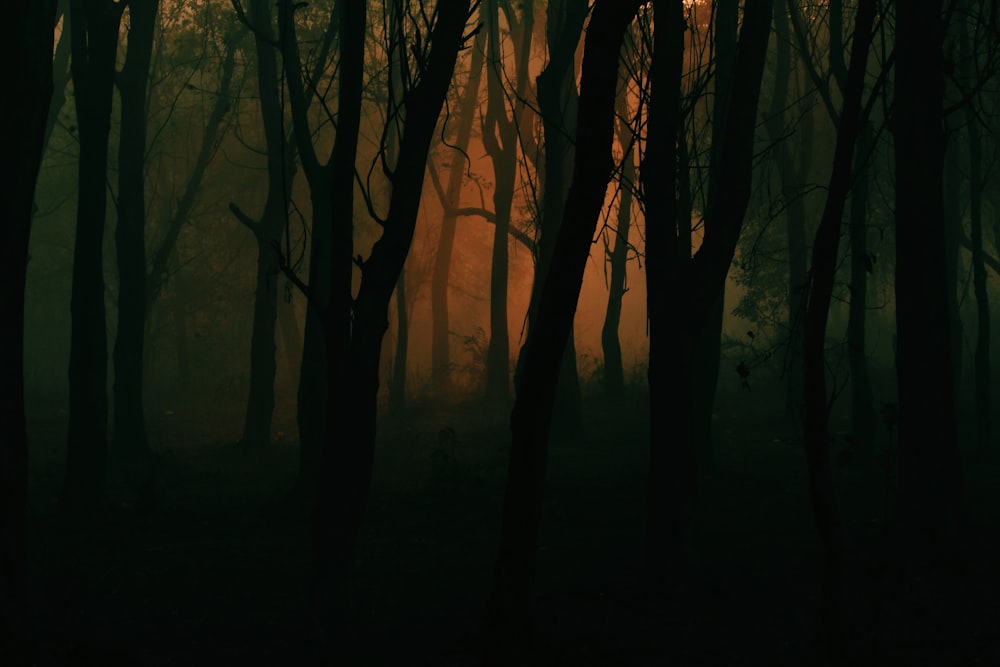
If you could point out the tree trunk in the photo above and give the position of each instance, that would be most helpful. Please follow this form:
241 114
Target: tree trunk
268 232
397 385
792 177
440 327
95 25
351 422
129 440
822 273
862 397
500 137
982 368
28 53
687 288
614 371
930 476
514 573
557 105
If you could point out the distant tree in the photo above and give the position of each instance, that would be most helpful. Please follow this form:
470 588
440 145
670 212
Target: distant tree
617 255
28 51
95 25
465 114
501 137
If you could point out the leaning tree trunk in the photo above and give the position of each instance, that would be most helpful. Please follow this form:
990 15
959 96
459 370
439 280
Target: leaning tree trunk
129 439
514 572
28 51
95 25
557 106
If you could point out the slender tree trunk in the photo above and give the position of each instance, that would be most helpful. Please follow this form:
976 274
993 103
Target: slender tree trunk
687 288
397 386
982 368
500 137
930 476
351 423
792 176
953 211
822 273
221 108
440 327
614 372
129 440
28 52
862 397
95 25
514 573
708 346
268 232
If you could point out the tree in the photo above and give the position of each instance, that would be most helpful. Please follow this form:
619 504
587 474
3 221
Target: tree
466 112
682 290
930 476
531 418
558 100
29 53
816 312
268 229
502 141
129 438
95 25
427 63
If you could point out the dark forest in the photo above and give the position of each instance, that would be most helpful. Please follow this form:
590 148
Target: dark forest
500 332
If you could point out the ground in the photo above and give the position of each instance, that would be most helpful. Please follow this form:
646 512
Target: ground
208 565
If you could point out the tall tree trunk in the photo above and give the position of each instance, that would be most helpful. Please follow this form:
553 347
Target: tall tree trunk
792 177
982 368
687 288
440 327
500 137
129 440
822 273
95 25
708 347
614 372
557 105
348 456
930 476
397 385
267 232
862 397
28 52
514 572
321 415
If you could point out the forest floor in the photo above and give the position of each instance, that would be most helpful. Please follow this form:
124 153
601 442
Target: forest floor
209 565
